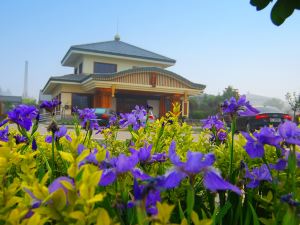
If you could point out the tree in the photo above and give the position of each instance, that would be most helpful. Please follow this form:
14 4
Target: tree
230 92
294 102
29 101
281 10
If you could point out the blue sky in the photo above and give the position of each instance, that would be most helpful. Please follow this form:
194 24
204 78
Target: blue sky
216 43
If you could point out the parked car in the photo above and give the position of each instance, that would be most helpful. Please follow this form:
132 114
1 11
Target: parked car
103 115
267 116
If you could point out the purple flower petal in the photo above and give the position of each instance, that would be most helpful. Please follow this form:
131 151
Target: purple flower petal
173 156
214 182
48 139
173 179
139 174
108 177
56 184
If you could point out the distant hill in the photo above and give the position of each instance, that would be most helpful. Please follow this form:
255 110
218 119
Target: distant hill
258 100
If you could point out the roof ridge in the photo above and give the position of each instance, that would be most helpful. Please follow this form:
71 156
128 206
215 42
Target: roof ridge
145 50
92 43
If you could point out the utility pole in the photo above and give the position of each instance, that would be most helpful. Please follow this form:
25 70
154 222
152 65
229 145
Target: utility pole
25 90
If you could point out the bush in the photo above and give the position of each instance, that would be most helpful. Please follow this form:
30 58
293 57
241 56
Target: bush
161 175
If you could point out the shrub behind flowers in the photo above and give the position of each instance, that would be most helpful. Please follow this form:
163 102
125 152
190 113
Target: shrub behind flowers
161 175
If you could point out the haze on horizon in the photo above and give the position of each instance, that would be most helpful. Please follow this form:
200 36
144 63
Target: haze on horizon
228 43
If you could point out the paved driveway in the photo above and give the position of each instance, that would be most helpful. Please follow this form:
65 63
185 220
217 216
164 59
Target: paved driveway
122 134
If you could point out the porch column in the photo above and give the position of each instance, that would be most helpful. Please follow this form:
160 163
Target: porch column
103 98
185 105
162 106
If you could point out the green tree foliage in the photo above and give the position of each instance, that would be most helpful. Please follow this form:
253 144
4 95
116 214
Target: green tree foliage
206 105
281 10
29 101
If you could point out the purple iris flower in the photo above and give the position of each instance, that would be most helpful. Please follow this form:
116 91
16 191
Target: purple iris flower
91 158
34 145
30 212
20 139
56 184
113 120
289 132
88 119
34 204
136 119
222 135
288 198
196 162
62 132
3 122
144 153
147 192
50 105
257 175
112 167
145 157
240 107
23 115
213 122
214 182
279 165
158 157
255 145
4 134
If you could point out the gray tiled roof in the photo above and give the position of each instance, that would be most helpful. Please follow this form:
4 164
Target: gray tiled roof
14 99
120 48
79 78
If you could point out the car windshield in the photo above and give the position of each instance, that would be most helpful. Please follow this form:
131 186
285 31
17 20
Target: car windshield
268 109
100 110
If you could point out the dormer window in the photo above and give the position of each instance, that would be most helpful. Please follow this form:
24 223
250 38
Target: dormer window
104 67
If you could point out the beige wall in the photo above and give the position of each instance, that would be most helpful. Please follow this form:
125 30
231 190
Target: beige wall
122 64
66 99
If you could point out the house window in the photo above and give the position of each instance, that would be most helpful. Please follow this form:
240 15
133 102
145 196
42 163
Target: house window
75 70
81 101
80 68
104 67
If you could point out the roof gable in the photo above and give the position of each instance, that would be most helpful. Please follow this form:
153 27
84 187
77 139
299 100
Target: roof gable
119 48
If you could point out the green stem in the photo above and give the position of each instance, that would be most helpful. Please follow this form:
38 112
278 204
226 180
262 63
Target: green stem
86 133
233 127
292 164
46 161
53 158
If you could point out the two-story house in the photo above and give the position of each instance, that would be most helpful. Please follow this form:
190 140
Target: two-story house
118 75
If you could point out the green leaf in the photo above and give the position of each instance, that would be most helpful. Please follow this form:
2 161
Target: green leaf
103 218
181 213
96 198
260 4
255 218
281 10
67 156
164 212
290 218
59 199
190 200
266 221
223 211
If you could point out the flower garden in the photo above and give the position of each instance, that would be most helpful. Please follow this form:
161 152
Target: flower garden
162 175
